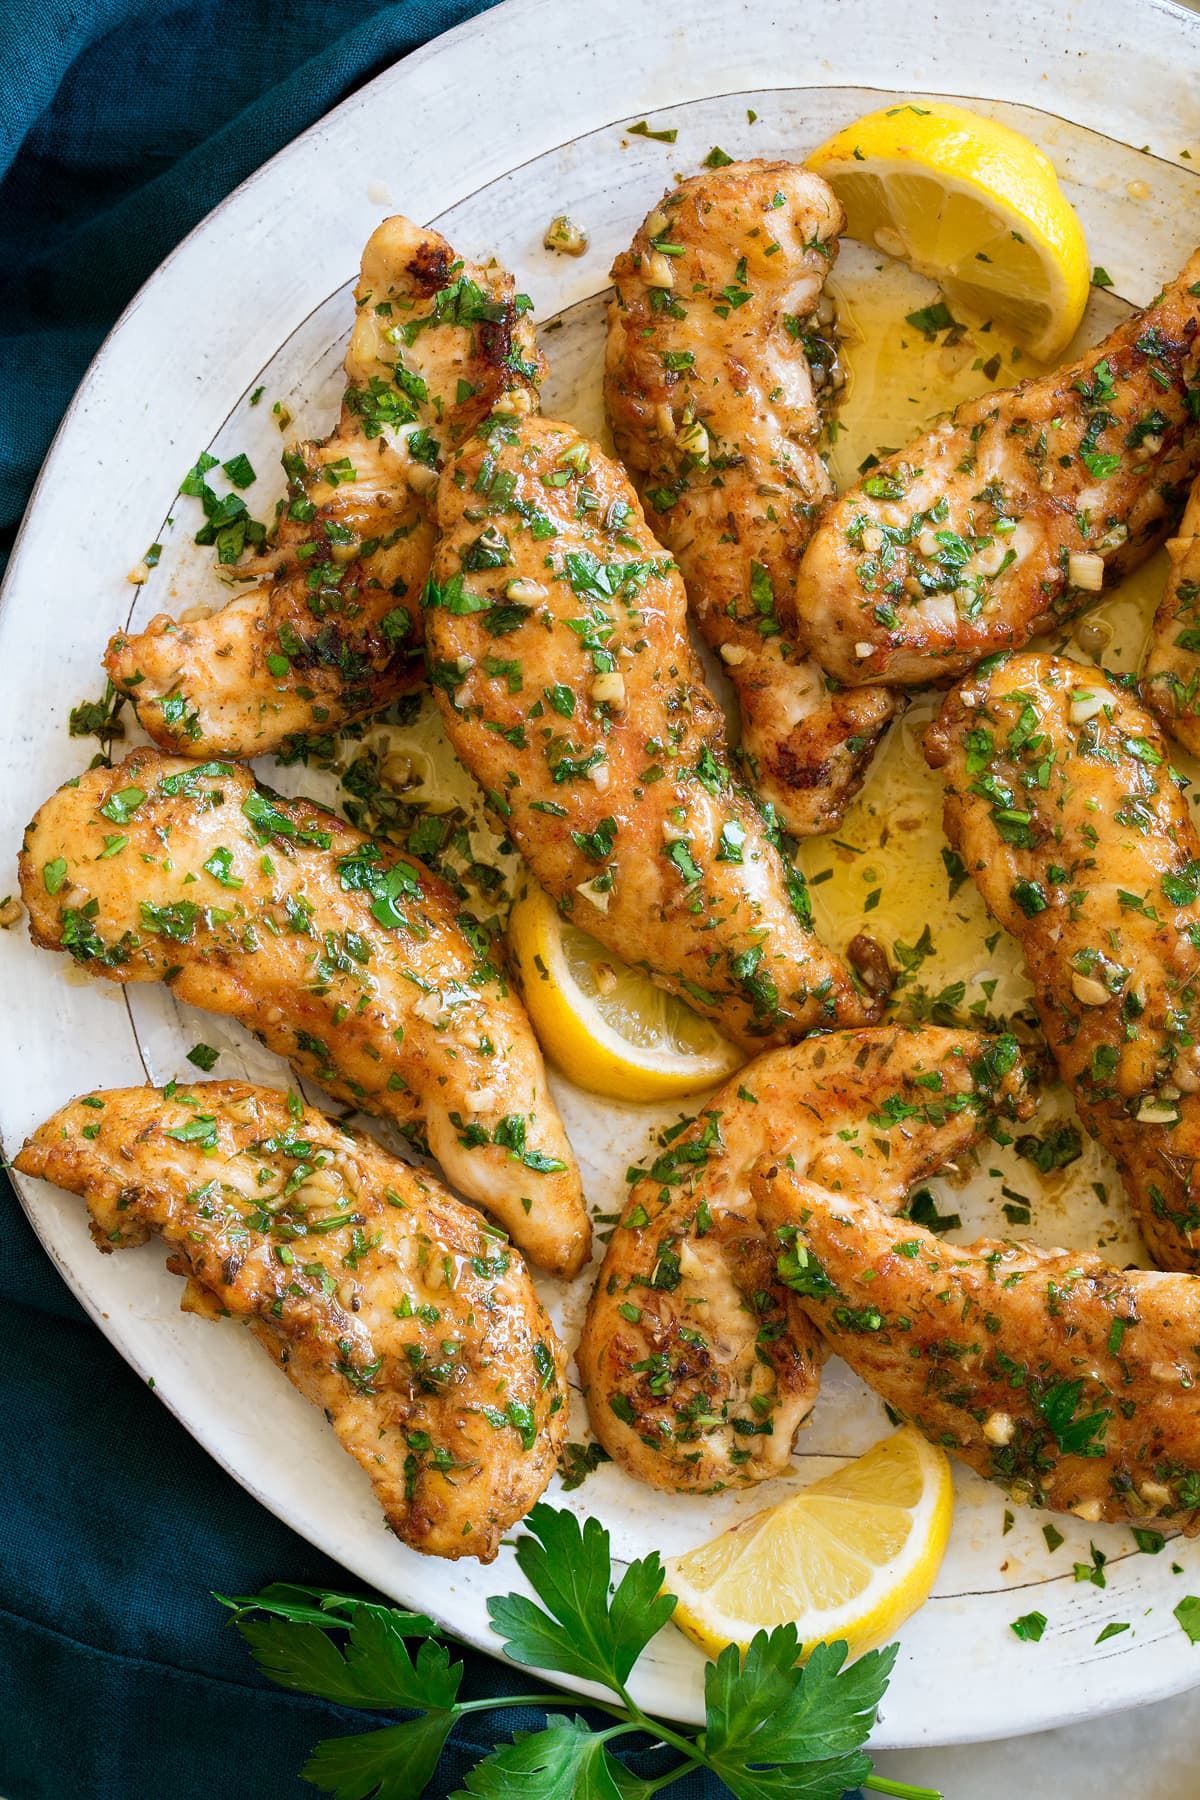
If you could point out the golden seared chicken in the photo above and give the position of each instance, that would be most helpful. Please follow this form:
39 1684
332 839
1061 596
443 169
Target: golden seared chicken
1171 676
1065 810
355 963
1071 1383
335 632
1013 513
557 642
714 356
390 1305
699 1365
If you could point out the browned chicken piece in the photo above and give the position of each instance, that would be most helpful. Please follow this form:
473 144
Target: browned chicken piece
715 354
1171 676
1009 516
1066 812
336 630
391 1306
354 962
558 649
1071 1383
699 1365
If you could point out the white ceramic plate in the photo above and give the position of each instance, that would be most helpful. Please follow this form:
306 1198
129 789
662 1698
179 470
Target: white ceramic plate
487 133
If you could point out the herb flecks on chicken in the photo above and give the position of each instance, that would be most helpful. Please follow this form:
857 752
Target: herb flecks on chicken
700 1365
716 354
391 1306
1015 512
1073 1384
556 632
1171 677
349 959
1063 805
335 632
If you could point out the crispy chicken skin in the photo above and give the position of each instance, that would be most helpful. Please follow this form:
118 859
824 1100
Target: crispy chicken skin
390 1305
1171 677
710 388
699 1365
355 963
1062 803
556 635
1071 1383
336 630
962 544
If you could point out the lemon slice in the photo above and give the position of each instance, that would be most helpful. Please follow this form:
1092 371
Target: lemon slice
606 1025
972 204
850 1557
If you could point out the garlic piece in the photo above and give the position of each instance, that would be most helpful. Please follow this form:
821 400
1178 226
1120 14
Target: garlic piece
527 592
658 271
599 897
605 978
1085 704
1085 570
565 236
999 1428
1157 1112
734 654
609 689
1088 991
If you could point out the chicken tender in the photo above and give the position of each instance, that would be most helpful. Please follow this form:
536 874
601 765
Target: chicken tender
558 649
353 962
1070 1383
1171 676
1009 516
1066 812
336 631
714 356
391 1306
699 1365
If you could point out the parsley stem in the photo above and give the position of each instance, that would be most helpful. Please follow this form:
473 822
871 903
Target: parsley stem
683 1768
901 1790
556 1701
656 1729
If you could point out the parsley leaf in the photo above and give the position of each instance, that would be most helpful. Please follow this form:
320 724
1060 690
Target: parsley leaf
396 1763
766 1710
772 1731
580 1630
565 1760
1188 1615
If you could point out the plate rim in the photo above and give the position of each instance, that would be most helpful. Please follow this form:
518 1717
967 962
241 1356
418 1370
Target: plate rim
413 66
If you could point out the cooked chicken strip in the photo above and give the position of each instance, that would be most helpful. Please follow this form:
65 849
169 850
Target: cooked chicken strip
1072 1384
336 632
355 963
389 1304
1064 808
711 394
699 1365
1171 676
1009 516
558 650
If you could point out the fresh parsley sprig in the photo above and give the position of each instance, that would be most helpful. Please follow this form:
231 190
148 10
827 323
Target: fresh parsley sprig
772 1730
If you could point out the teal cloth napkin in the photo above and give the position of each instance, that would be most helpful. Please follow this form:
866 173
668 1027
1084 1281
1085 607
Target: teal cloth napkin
122 122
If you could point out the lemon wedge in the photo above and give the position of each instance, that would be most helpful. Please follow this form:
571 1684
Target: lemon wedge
971 204
851 1557
606 1025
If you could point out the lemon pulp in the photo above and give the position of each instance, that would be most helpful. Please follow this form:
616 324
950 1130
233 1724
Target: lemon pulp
972 204
849 1557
